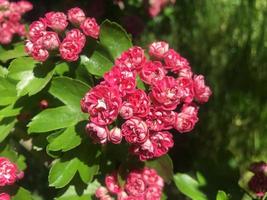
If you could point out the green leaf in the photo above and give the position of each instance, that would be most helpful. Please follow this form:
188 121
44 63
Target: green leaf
69 91
31 75
3 71
97 64
9 111
6 126
164 167
22 194
18 51
221 195
65 141
61 172
73 194
189 186
8 92
140 83
114 38
53 119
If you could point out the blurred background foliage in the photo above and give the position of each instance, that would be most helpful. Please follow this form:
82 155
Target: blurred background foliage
226 41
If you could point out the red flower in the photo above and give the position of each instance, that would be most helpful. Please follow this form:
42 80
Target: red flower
50 40
77 36
153 193
36 30
4 196
187 88
158 49
135 130
166 93
174 61
161 141
76 16
102 103
202 92
139 101
126 110
112 183
69 50
39 53
151 178
99 134
135 185
56 20
152 72
144 151
90 27
8 172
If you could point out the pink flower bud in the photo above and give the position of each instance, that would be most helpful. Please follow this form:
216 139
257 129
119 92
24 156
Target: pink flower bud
56 20
36 30
158 49
77 36
50 40
202 92
126 111
43 104
115 135
99 134
76 16
112 183
69 50
101 191
39 53
90 27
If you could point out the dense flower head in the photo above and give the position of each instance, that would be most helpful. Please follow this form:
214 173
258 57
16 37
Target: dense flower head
53 35
10 16
169 99
9 173
139 184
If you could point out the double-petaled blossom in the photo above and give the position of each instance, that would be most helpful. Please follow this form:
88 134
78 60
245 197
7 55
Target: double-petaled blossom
39 53
158 49
141 184
37 29
76 16
4 196
135 130
50 40
162 142
186 85
202 92
102 103
90 27
144 151
9 173
98 133
77 36
174 61
152 72
69 50
115 135
56 20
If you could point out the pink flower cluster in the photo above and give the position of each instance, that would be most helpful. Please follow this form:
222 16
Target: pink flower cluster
146 117
258 183
9 174
155 6
10 16
143 184
49 35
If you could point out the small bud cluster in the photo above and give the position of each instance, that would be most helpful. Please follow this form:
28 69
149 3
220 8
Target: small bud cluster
146 117
9 174
50 35
143 184
258 183
10 16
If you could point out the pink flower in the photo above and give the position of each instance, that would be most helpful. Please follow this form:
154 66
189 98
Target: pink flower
152 72
187 88
174 61
166 93
115 135
159 119
90 27
36 30
126 110
50 40
153 193
125 81
122 196
4 4
56 20
28 47
151 177
5 36
102 103
101 191
112 183
8 172
186 120
185 72
4 196
135 185
135 130
24 6
132 59
202 92
158 49
144 151
161 141
139 101
77 36
99 134
39 53
69 50
76 16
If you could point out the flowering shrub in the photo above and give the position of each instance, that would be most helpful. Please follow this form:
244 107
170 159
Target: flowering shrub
10 17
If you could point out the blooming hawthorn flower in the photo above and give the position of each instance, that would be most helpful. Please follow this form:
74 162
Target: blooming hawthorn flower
50 40
90 27
76 16
102 103
158 49
39 53
36 30
152 72
99 134
69 50
202 92
161 141
112 183
174 61
77 36
56 20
